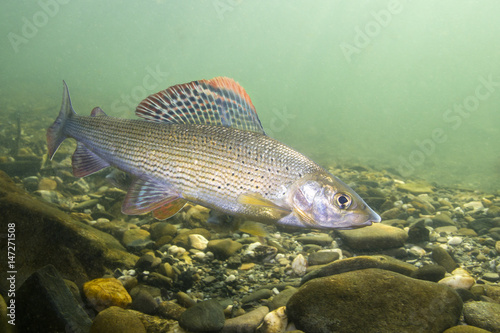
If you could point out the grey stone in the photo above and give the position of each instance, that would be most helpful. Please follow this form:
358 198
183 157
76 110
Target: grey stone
282 298
257 295
143 301
418 232
432 273
492 277
246 323
319 239
483 314
203 317
322 257
443 258
44 303
373 300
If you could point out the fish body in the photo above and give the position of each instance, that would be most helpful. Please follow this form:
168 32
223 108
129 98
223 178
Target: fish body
202 142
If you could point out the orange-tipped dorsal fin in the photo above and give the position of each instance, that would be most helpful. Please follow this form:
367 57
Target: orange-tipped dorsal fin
220 101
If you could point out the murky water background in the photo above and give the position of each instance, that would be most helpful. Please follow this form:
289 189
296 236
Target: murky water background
413 87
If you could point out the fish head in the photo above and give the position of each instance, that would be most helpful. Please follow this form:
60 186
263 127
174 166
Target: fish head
324 201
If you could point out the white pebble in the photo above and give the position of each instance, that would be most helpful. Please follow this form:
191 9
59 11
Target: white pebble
198 242
299 265
200 255
230 278
274 322
458 281
455 240
176 250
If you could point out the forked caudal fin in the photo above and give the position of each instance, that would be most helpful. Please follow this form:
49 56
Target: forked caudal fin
55 133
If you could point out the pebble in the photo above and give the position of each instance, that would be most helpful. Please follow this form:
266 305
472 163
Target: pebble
317 239
47 184
257 295
246 323
299 265
443 258
275 321
205 316
455 240
432 273
458 281
143 301
322 257
474 205
492 277
137 239
198 242
224 248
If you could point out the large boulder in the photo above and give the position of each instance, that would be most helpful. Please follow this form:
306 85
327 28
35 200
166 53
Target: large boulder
46 235
373 300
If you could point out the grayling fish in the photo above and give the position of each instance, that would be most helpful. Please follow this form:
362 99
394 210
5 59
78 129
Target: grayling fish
202 142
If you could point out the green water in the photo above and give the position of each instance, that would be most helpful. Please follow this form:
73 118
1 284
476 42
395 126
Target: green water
411 86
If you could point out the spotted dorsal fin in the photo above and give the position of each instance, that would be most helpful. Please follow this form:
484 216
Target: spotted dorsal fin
220 101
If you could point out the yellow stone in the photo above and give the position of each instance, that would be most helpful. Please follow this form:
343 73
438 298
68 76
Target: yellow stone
47 184
103 293
247 266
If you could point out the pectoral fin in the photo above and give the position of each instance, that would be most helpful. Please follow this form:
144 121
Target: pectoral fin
144 196
169 210
263 206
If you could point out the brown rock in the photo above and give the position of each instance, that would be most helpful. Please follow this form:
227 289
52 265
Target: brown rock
117 320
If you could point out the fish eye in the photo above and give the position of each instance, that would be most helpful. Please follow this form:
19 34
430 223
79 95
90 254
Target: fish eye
342 200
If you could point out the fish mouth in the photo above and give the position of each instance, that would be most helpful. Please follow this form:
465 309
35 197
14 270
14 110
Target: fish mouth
364 219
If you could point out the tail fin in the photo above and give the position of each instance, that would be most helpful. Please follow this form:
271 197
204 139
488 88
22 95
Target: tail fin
55 133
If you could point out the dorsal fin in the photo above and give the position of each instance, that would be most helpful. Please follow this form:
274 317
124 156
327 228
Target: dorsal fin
97 112
220 101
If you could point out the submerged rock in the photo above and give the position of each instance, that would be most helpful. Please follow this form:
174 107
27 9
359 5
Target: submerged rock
373 300
223 248
206 316
45 303
103 293
117 320
483 314
416 187
47 235
246 323
443 258
374 237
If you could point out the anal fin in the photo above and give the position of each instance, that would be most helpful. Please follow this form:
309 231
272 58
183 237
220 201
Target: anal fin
86 162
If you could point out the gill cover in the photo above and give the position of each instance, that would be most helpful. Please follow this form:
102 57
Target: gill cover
323 201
